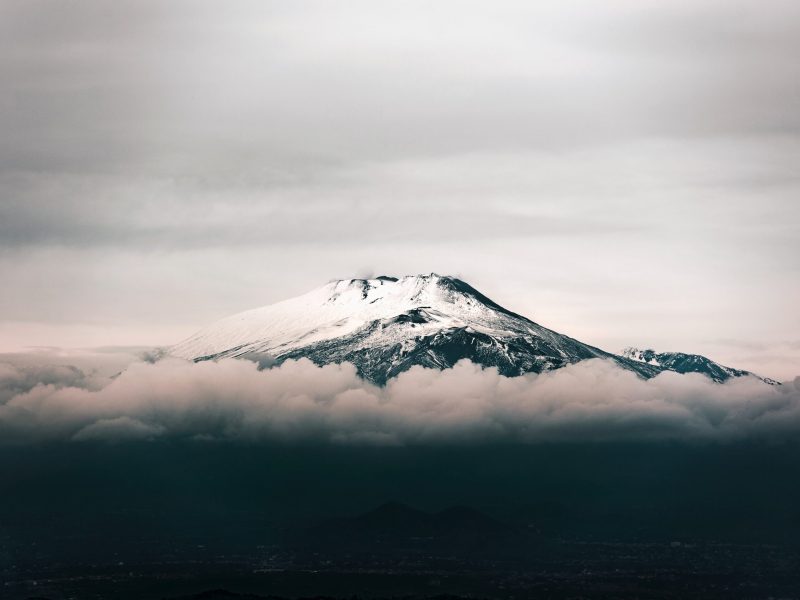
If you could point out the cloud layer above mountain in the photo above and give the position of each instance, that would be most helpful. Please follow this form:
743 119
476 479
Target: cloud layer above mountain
300 402
624 171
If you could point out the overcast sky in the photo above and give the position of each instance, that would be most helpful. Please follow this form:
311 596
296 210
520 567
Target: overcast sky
623 172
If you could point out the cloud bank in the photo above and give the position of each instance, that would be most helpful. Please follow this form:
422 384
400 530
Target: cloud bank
235 400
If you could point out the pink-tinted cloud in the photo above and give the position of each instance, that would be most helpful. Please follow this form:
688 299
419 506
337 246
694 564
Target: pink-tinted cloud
299 401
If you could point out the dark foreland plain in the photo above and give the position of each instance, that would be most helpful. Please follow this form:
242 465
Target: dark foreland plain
600 520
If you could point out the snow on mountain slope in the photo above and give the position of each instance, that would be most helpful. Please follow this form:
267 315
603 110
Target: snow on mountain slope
680 362
342 308
387 325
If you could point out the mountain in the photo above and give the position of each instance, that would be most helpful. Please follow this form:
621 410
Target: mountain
386 325
680 362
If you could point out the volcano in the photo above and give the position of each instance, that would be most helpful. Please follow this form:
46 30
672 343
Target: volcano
387 325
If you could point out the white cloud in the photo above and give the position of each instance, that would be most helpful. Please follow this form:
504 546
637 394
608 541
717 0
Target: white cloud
301 402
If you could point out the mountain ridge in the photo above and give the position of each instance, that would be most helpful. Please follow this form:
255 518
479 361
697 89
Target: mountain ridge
386 325
682 362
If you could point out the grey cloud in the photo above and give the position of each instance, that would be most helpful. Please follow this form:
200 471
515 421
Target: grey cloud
152 355
272 222
625 190
89 370
163 164
16 379
133 90
235 400
118 429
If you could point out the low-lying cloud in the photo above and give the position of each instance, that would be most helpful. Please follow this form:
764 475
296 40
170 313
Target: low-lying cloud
239 400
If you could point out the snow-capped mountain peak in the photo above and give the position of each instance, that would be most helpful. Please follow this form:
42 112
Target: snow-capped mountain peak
341 308
388 324
646 356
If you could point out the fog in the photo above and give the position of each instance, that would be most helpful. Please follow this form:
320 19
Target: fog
300 402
